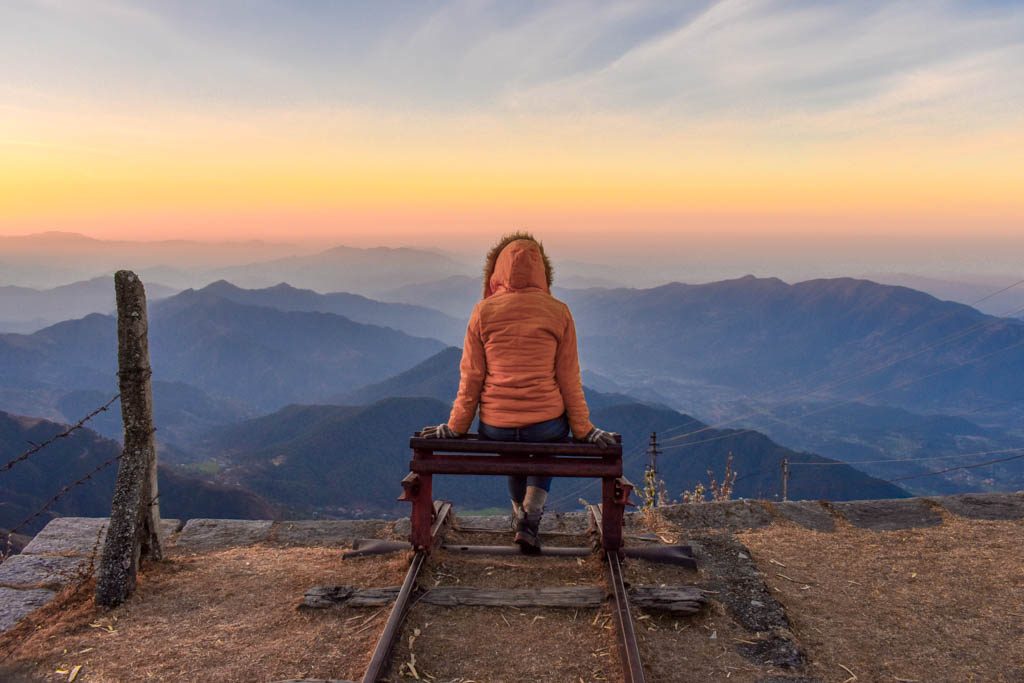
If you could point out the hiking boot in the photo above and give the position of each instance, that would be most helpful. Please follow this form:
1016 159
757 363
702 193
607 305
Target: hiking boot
517 516
528 534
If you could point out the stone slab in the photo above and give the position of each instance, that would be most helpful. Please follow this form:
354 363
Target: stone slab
995 506
41 571
77 535
326 532
729 514
68 536
809 514
889 515
15 604
203 535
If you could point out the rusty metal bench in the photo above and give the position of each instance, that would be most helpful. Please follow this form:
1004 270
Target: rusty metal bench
472 455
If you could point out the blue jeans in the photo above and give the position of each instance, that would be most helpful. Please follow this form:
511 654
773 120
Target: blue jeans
549 430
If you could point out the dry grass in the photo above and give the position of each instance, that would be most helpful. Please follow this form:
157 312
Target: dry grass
226 616
938 604
699 648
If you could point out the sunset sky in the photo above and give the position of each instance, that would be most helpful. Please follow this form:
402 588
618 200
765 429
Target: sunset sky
390 123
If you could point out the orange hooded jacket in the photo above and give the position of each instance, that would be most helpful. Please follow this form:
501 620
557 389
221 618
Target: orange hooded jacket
519 359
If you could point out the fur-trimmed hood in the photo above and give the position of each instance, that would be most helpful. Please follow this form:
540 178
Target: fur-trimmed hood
517 262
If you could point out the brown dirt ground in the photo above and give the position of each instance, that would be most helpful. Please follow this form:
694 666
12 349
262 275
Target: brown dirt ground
225 616
938 604
698 648
491 645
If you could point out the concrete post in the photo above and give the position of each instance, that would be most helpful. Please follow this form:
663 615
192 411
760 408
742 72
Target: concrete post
135 512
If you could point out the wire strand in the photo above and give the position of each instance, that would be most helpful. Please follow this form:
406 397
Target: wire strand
66 433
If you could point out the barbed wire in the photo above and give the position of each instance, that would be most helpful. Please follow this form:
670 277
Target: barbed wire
66 433
8 543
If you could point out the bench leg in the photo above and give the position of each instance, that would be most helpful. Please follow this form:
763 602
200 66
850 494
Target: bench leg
418 489
614 499
611 516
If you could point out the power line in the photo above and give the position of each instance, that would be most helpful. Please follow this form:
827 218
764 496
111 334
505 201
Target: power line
67 432
931 457
953 469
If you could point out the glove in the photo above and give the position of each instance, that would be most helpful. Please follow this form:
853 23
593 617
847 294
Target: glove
601 437
441 431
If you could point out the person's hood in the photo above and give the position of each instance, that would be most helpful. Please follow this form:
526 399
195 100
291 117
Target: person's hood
516 263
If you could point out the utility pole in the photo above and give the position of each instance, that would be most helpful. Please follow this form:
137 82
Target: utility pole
652 453
654 490
785 479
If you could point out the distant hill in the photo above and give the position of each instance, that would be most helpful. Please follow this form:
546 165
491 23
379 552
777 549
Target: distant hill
44 259
349 269
455 295
966 291
751 336
25 310
340 460
417 321
438 377
258 357
28 485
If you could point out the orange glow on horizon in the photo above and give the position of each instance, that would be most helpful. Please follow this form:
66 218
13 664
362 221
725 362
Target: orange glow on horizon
297 176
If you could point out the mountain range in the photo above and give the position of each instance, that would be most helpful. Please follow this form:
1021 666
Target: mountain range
839 338
418 321
255 358
25 310
848 432
362 271
348 460
223 355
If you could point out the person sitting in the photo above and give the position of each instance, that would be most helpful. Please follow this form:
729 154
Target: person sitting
520 367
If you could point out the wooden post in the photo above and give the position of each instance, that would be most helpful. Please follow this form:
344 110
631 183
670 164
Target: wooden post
133 532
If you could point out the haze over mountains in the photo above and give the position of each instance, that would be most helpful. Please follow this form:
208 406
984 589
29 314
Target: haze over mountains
259 356
46 260
281 388
26 310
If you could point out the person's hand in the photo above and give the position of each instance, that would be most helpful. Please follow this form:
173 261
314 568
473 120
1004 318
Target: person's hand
601 438
441 431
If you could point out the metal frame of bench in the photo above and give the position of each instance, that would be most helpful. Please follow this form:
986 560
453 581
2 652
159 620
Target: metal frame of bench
473 455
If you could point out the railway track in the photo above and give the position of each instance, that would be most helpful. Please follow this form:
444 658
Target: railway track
632 670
